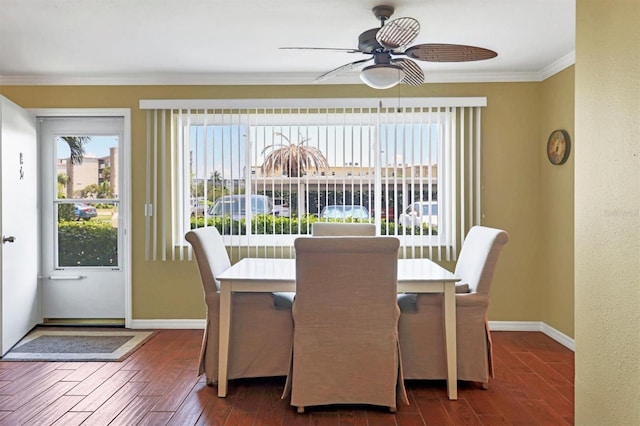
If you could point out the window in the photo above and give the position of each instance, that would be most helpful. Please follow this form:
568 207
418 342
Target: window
265 170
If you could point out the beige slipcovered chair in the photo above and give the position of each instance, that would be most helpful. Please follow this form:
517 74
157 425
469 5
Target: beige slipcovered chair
345 340
334 229
329 229
421 323
261 334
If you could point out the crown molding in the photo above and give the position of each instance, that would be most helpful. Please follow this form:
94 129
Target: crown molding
559 65
266 79
187 79
486 77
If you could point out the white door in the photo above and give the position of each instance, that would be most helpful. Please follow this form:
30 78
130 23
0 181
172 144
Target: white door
18 224
82 257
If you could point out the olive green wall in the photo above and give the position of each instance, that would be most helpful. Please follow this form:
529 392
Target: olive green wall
556 206
512 131
607 212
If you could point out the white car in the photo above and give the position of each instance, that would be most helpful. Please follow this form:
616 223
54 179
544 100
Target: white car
341 212
198 206
420 213
234 206
281 207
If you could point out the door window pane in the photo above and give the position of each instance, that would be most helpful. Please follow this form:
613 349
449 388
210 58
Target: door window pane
87 234
87 201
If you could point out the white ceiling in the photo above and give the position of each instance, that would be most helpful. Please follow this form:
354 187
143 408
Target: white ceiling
237 41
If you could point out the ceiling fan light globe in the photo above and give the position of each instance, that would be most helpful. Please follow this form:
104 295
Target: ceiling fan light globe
382 76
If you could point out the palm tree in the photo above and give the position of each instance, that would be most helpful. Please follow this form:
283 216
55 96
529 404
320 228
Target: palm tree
294 159
63 179
95 190
106 174
76 155
216 176
76 146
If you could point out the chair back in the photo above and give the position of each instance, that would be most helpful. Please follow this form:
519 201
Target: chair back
335 229
211 255
479 256
340 270
346 321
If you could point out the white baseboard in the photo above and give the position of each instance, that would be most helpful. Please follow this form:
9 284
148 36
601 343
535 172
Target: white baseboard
559 337
515 325
168 324
556 335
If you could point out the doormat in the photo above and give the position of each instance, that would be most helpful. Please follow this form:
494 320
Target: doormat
77 345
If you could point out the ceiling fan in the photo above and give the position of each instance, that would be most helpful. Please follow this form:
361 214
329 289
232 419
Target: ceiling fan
392 39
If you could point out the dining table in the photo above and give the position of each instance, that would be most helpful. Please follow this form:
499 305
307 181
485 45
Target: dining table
253 275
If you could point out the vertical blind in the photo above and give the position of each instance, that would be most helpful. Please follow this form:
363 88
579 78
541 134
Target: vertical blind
410 165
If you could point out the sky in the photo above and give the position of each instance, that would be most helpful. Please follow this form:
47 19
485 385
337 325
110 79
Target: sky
225 147
97 147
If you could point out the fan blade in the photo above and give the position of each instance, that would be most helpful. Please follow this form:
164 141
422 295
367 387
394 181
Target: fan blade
434 52
398 33
341 69
335 49
413 75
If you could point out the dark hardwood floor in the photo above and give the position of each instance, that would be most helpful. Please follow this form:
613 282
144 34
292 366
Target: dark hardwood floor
157 385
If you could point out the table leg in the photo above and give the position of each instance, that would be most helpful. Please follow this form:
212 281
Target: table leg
450 339
223 337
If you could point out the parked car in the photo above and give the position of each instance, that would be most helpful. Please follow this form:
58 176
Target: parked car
388 214
420 213
234 206
198 206
84 211
344 212
281 207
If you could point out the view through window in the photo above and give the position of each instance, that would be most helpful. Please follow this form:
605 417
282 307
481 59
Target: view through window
86 200
263 176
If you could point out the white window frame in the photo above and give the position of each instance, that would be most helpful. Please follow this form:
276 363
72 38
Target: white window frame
185 117
248 182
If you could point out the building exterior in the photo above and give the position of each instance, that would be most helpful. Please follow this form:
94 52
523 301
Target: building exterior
92 171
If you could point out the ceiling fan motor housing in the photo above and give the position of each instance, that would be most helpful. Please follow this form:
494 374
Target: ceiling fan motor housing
367 42
383 12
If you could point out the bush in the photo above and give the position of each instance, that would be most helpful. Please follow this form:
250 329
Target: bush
261 224
268 224
406 230
87 243
65 212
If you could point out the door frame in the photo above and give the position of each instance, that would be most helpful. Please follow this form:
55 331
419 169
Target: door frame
124 192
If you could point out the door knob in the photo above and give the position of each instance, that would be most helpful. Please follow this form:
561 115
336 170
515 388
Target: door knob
8 239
